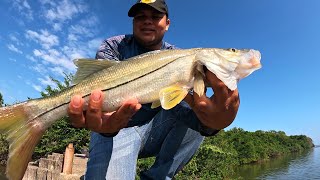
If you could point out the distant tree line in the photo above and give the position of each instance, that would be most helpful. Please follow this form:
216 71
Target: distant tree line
215 159
218 155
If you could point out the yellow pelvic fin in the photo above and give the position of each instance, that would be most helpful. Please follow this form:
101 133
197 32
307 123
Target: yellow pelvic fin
172 95
155 104
86 67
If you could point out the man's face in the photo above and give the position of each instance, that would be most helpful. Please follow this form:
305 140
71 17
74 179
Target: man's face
149 27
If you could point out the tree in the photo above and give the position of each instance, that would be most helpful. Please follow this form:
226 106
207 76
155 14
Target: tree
1 100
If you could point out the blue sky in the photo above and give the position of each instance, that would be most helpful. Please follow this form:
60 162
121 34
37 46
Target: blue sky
40 38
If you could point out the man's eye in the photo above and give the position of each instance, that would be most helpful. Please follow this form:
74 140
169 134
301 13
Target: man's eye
156 17
139 17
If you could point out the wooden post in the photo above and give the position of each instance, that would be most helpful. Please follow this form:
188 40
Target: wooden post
68 159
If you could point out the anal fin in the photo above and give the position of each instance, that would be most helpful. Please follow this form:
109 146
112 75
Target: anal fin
155 104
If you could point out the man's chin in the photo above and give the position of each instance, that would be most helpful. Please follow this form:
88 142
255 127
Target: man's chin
148 41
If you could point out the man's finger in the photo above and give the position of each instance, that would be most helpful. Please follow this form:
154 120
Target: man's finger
233 100
93 114
127 110
221 91
75 112
213 80
189 99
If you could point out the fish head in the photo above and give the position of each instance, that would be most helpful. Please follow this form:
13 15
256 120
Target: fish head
230 65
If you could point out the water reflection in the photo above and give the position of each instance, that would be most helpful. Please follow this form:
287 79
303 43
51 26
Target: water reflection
304 165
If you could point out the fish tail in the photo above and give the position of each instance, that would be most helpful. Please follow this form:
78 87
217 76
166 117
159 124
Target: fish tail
23 129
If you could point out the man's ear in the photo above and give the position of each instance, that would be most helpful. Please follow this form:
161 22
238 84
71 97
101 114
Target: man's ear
168 24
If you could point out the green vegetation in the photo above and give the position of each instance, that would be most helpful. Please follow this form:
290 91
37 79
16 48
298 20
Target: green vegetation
214 160
218 155
1 100
3 142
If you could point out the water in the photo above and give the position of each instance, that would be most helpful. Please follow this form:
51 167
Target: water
294 166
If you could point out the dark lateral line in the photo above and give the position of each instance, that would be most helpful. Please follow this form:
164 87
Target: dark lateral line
107 88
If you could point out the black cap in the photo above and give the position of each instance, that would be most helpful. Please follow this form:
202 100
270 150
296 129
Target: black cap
159 5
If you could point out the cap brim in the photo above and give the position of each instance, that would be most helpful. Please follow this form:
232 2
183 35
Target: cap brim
133 10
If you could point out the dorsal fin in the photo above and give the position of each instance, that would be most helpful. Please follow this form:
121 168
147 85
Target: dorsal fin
86 67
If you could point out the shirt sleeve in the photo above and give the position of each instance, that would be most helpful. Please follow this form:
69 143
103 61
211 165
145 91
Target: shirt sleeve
192 121
108 50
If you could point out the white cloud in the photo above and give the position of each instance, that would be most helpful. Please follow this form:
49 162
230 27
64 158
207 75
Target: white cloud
31 58
81 30
24 8
75 52
47 81
86 27
57 70
72 37
50 2
94 44
13 60
65 10
26 4
54 57
39 68
44 38
90 21
37 87
57 26
13 38
11 47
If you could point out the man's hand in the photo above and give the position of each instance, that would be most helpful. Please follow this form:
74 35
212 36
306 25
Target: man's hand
96 120
218 111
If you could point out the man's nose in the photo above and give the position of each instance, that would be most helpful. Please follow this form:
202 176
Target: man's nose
148 20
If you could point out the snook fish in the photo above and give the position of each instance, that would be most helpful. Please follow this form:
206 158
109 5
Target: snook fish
159 77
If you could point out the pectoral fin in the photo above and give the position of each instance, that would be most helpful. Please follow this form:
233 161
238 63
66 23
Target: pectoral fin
172 95
198 86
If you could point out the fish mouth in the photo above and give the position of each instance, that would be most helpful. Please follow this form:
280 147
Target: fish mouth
255 60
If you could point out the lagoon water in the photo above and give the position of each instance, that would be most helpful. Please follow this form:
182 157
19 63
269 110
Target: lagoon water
298 166
289 167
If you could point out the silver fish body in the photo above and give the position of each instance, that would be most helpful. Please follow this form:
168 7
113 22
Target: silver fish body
159 77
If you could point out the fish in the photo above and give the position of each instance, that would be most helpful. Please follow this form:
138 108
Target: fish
161 77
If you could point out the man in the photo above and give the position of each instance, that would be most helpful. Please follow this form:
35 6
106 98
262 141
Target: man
136 131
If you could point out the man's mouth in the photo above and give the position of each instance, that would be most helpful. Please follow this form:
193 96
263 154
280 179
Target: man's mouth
147 30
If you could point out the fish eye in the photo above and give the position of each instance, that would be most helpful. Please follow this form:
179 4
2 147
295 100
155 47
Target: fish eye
233 49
